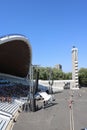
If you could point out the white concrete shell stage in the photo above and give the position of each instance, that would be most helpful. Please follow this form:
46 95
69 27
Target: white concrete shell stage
15 57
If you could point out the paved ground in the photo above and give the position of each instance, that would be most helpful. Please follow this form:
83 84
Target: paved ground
57 117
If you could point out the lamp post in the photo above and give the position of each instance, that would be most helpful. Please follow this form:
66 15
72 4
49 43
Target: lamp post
50 81
32 100
33 88
36 77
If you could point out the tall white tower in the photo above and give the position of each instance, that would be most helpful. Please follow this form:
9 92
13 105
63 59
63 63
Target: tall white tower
75 67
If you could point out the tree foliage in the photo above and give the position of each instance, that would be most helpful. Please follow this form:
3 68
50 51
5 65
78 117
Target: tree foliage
46 73
83 76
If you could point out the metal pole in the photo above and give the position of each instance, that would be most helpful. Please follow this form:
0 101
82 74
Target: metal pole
32 100
37 77
50 81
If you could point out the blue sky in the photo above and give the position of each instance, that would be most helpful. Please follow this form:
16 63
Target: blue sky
52 27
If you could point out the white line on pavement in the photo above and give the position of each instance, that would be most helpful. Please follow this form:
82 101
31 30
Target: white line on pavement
70 121
72 118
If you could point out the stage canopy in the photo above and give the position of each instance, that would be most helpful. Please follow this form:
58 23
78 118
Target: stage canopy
15 55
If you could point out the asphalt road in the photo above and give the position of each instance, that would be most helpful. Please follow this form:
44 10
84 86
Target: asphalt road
58 116
80 109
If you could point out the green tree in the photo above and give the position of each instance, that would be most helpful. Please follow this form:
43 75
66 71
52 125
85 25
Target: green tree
83 77
46 73
68 75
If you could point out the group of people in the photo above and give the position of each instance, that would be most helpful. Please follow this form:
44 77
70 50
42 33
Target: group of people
6 99
16 90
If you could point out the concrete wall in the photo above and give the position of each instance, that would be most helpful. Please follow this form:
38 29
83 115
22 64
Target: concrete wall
57 83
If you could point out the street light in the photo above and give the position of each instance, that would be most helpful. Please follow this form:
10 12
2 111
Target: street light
32 89
36 77
50 81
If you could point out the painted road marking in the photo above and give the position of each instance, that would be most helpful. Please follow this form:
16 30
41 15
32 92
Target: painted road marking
71 113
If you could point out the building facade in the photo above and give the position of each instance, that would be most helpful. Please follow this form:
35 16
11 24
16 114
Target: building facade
58 66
